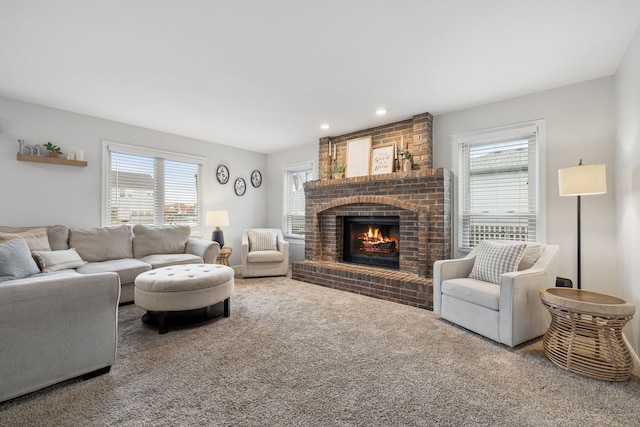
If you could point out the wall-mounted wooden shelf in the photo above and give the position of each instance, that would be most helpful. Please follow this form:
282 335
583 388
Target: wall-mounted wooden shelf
53 160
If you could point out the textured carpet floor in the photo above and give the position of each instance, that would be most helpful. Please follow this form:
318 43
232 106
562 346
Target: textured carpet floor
295 354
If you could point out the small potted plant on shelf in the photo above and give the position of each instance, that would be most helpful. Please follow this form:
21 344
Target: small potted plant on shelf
337 171
54 150
407 162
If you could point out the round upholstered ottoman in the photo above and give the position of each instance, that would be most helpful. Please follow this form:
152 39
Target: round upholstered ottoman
183 294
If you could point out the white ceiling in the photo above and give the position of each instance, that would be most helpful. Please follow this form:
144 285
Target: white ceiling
264 75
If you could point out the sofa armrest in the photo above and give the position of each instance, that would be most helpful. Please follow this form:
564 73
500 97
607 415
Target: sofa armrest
449 269
70 321
522 314
206 249
283 246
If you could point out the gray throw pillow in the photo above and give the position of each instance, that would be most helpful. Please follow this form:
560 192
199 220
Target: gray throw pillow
155 240
15 260
493 259
102 244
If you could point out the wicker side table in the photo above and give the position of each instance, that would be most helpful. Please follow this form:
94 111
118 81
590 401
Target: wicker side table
585 335
223 256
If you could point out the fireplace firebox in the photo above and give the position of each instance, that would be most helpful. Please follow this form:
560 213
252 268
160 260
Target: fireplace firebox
372 240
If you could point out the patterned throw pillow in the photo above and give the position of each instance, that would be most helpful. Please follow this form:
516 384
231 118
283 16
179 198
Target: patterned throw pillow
16 261
36 238
262 240
494 259
58 260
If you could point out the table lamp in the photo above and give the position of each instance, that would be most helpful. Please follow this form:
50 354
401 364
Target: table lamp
582 180
218 219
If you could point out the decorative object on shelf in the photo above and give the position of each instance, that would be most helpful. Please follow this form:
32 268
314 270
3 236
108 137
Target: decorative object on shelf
79 154
222 174
337 171
218 219
54 150
582 180
359 156
406 159
25 148
382 161
256 178
240 187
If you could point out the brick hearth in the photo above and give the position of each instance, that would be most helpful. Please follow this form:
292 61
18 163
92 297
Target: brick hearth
420 198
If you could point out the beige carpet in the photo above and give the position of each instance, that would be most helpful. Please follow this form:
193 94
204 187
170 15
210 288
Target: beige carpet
295 354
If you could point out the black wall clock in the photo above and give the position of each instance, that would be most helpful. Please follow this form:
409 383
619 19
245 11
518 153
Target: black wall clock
240 187
256 178
222 173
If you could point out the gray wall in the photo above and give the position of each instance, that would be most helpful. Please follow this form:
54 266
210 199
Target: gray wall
41 194
627 175
580 124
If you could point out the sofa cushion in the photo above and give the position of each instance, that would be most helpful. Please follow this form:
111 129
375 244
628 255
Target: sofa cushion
50 261
127 268
58 237
493 259
163 260
102 244
36 238
262 240
167 239
16 261
265 256
477 292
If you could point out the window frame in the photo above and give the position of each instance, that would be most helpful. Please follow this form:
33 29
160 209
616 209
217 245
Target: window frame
130 149
484 136
286 169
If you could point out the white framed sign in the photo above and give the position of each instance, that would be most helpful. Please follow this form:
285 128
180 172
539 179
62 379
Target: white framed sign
358 156
382 161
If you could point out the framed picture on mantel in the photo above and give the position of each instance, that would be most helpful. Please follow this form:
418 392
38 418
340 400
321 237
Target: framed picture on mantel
358 156
382 161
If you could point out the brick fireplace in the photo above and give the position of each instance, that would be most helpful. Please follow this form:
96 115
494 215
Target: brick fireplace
420 199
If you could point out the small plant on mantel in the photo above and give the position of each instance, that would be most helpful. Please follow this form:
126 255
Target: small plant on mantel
54 150
405 154
337 171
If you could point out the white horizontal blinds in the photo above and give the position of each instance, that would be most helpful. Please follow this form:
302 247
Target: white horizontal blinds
294 216
153 190
498 188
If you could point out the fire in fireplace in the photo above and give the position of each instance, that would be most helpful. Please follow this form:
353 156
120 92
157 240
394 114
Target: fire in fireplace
372 241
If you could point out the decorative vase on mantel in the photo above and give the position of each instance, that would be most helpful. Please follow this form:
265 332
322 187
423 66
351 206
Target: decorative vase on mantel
338 175
407 165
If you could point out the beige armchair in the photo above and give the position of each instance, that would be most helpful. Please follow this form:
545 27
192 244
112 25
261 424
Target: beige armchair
507 310
264 253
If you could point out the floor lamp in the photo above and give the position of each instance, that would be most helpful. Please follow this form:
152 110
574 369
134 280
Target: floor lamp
218 219
582 180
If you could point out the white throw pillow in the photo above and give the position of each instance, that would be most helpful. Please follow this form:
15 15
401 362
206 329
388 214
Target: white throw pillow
58 260
493 259
262 240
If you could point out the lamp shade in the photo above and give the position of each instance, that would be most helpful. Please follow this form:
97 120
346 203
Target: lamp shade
582 180
217 218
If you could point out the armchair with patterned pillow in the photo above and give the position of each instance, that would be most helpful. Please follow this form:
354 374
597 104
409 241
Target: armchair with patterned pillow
493 291
264 253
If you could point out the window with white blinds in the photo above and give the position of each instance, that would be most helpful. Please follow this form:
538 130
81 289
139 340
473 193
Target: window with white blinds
498 186
294 177
152 187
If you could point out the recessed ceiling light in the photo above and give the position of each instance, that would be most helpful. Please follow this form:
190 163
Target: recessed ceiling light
381 111
324 126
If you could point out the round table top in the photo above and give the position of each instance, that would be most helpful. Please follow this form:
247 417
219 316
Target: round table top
587 301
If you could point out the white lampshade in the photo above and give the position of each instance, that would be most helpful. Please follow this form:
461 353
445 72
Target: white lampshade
582 180
217 218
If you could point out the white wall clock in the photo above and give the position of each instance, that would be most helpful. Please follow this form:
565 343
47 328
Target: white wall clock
222 174
240 186
256 178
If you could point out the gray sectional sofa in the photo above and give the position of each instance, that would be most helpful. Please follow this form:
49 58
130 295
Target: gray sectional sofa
58 317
